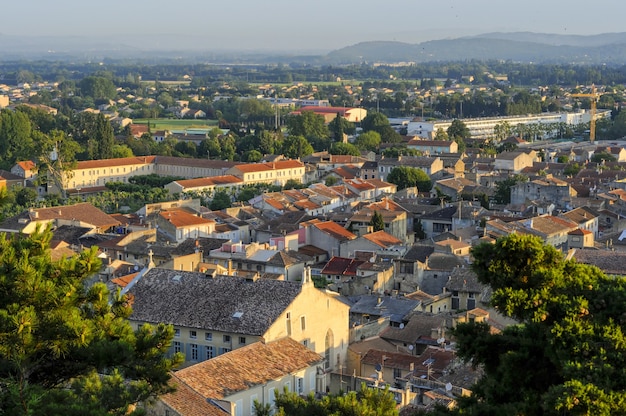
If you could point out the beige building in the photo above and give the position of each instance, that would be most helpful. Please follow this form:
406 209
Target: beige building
235 380
212 316
277 173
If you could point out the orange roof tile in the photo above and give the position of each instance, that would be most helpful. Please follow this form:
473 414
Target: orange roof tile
252 365
382 238
179 218
210 181
122 161
261 167
334 229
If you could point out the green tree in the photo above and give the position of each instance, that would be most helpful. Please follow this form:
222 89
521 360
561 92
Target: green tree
295 147
407 177
220 200
379 123
97 88
458 131
366 402
308 125
566 354
602 157
340 148
441 135
503 188
369 140
377 222
68 348
16 142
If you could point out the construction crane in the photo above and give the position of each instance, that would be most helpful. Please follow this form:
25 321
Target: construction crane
593 96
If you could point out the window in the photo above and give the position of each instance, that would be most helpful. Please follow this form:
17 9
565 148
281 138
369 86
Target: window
288 323
224 350
176 331
177 346
242 340
208 336
226 338
210 352
300 385
194 352
193 334
471 294
303 323
253 398
397 373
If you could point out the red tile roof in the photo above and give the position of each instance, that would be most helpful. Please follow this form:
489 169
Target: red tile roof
210 181
335 230
249 366
83 212
122 161
261 167
382 239
179 218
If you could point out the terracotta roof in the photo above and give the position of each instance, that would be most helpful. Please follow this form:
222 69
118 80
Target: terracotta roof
187 402
261 167
210 181
179 218
382 239
27 165
341 265
123 281
335 230
83 212
247 367
105 163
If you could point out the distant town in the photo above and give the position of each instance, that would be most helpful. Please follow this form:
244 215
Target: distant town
327 226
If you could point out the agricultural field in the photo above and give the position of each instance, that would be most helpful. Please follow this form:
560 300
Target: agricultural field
176 124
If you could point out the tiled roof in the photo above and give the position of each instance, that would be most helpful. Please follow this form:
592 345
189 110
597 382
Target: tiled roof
420 325
210 181
27 165
419 253
179 218
261 167
382 239
193 300
249 366
391 359
195 163
464 280
335 230
610 262
187 402
106 163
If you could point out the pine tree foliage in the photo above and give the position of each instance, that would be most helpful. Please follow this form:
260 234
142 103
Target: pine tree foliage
568 352
66 348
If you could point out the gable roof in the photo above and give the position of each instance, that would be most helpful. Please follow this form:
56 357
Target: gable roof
196 301
179 218
382 239
247 367
186 401
335 230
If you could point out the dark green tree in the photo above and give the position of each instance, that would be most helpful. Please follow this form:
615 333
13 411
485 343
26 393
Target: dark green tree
379 123
566 355
308 125
295 147
220 200
503 188
97 88
458 131
339 148
67 348
407 177
377 222
369 140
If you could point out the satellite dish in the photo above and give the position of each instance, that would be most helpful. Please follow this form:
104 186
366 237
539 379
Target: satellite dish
441 340
136 267
378 367
401 326
411 347
448 387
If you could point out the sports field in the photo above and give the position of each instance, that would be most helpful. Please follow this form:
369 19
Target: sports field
176 124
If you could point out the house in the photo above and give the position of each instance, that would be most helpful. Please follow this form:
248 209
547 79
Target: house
420 331
516 161
379 242
352 114
215 315
433 147
235 380
179 225
549 188
580 238
466 289
432 166
207 186
328 235
354 277
277 173
82 215
26 169
587 219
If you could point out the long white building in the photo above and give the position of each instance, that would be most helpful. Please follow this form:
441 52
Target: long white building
484 127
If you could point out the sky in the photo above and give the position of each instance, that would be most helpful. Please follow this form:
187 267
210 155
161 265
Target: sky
320 25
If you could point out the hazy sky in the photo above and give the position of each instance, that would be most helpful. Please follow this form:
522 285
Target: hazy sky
309 25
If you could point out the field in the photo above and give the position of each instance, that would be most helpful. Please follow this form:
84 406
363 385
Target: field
176 124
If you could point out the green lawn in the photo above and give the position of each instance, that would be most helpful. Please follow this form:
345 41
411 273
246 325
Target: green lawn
176 124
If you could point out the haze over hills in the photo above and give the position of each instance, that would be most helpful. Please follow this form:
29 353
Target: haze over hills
609 48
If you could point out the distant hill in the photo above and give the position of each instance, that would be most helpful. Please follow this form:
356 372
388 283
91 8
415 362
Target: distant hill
608 48
521 46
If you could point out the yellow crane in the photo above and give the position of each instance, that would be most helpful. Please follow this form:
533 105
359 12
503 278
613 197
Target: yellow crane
593 96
